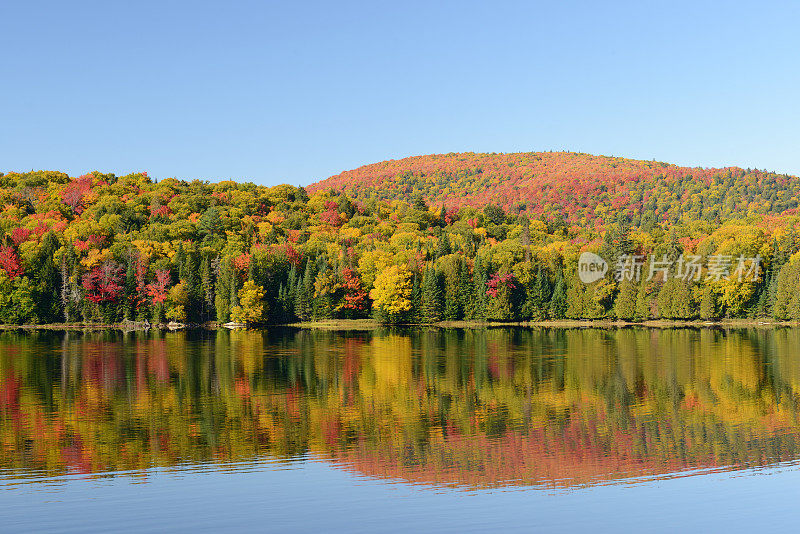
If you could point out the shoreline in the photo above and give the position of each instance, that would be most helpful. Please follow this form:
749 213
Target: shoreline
371 324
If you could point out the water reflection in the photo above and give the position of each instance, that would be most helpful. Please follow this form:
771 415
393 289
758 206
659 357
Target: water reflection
548 407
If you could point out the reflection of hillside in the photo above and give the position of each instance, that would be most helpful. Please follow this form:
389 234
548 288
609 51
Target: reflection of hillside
542 407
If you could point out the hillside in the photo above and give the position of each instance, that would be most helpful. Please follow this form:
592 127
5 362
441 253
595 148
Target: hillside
582 187
103 248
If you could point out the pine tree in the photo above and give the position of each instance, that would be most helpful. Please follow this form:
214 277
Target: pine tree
305 293
207 288
431 296
616 241
465 290
786 287
708 304
625 303
453 307
525 238
45 276
415 315
226 286
194 290
291 294
130 285
558 302
444 247
644 300
537 296
233 284
283 303
179 261
480 277
683 306
576 298
70 292
665 298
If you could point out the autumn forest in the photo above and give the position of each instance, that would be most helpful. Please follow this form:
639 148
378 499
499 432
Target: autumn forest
456 237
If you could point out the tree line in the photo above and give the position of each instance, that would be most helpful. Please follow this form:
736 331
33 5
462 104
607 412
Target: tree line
102 248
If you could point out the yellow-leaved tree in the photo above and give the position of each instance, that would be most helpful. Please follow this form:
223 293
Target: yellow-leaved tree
178 297
392 290
251 308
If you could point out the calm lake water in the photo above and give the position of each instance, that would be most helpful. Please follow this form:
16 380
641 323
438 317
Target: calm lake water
298 430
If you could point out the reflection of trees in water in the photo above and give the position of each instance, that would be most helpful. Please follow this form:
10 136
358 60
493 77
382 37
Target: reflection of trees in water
468 407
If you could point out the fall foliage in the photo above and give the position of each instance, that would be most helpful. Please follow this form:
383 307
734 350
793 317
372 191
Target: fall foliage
454 237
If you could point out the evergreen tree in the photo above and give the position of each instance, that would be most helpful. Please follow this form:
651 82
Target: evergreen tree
537 296
179 262
480 277
194 290
793 308
558 302
644 302
70 291
207 288
525 238
683 306
415 315
616 241
45 276
305 294
675 300
290 295
129 310
665 298
444 246
466 295
708 304
431 296
453 307
226 278
786 287
625 303
576 297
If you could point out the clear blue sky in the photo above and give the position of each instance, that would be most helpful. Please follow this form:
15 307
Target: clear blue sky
297 91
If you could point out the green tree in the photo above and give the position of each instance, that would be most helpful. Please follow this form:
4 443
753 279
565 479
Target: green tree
479 300
226 286
625 303
708 304
44 274
431 296
558 302
17 300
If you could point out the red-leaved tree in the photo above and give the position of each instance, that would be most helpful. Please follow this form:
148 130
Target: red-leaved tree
158 289
497 281
104 283
19 234
355 296
9 262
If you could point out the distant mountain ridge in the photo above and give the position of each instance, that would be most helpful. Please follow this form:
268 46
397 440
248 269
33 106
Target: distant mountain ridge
583 188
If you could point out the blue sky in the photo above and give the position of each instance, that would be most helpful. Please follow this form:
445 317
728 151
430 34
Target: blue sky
294 92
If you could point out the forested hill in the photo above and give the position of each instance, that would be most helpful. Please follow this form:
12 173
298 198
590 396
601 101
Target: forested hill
103 248
582 187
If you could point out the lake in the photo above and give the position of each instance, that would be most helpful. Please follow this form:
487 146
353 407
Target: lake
400 430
